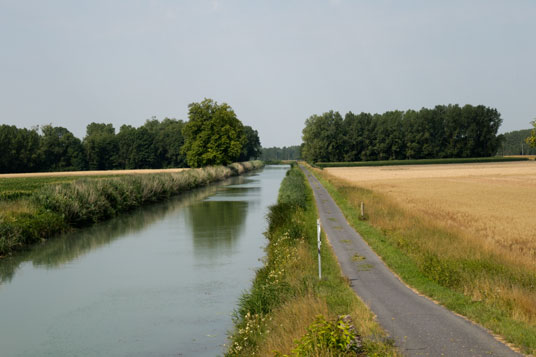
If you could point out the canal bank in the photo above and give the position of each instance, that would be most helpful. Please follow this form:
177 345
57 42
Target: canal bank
162 280
27 217
289 310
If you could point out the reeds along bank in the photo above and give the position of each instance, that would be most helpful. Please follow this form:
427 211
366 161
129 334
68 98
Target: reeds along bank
56 208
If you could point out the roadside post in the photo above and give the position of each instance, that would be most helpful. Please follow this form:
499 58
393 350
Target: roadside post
318 230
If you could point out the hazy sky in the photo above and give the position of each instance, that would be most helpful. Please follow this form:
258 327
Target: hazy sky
275 62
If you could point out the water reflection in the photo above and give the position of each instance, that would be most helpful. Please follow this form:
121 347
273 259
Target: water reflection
67 247
160 281
216 225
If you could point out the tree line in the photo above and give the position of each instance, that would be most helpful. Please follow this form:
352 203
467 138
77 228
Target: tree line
442 132
212 136
515 143
281 153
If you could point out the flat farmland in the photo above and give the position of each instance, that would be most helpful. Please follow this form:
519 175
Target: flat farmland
89 173
470 228
493 202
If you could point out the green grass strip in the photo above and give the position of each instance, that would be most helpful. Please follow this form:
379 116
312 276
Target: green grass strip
420 162
291 221
498 321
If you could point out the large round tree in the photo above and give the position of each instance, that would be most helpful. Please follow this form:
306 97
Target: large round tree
213 135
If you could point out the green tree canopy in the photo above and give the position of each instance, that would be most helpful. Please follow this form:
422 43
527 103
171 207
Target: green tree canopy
531 140
20 149
252 147
168 143
213 135
322 137
101 146
60 150
441 132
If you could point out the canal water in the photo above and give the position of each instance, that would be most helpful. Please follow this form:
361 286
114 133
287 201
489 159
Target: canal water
161 281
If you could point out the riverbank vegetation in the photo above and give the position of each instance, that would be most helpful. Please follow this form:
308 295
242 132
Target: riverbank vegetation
156 144
51 207
461 234
442 132
288 310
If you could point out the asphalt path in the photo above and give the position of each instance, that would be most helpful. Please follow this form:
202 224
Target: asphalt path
418 326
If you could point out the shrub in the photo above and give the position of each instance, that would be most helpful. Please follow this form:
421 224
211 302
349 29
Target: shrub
328 338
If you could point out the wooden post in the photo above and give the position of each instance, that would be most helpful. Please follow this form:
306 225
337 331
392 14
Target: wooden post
362 210
319 242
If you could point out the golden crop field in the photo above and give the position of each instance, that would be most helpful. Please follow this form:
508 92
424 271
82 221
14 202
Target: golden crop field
493 202
90 173
468 227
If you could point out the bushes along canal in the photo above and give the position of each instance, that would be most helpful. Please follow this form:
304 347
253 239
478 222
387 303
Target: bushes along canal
52 209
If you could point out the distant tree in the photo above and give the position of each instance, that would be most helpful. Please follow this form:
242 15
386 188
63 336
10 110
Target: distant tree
136 148
252 146
213 135
323 138
531 140
144 154
281 153
101 146
515 143
444 131
60 150
168 143
355 128
20 149
126 140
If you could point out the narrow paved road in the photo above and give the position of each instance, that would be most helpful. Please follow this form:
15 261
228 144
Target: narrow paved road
418 326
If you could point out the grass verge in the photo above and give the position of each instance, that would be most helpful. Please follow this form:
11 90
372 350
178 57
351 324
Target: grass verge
420 162
483 286
53 207
288 310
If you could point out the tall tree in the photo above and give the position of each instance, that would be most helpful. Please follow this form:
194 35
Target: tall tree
60 150
252 146
136 149
323 137
101 146
213 135
168 143
20 149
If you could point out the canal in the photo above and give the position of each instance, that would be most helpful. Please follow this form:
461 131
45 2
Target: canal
160 281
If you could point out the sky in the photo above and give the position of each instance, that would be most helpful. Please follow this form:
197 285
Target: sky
70 63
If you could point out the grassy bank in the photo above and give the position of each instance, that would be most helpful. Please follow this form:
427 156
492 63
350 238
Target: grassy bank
289 310
420 162
459 270
48 207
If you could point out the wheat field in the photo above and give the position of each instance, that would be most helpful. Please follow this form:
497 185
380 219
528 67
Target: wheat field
469 227
493 202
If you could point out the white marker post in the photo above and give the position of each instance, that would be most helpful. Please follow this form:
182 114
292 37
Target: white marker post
319 244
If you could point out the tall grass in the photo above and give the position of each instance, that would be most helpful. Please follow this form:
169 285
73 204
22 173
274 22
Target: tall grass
52 209
286 296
